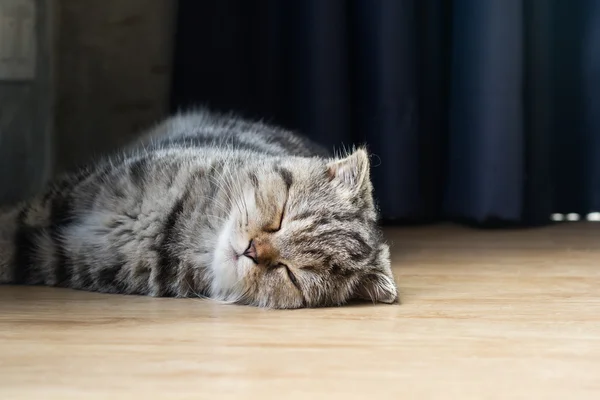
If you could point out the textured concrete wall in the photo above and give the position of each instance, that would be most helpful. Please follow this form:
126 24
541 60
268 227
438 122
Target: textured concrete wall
113 70
26 117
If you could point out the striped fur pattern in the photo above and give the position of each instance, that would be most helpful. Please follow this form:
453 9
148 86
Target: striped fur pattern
207 205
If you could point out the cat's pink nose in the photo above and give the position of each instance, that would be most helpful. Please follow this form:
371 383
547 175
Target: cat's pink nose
251 252
261 251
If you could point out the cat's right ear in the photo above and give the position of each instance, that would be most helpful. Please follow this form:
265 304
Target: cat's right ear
351 172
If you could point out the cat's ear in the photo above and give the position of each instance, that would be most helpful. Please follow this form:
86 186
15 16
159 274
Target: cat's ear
378 285
351 171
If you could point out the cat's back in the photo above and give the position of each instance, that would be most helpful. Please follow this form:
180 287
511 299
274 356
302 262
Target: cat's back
181 145
206 130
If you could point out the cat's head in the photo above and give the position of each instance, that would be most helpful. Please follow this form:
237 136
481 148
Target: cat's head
303 233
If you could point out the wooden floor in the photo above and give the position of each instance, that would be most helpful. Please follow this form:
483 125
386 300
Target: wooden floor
484 315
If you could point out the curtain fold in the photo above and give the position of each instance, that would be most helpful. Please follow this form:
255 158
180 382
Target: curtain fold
477 111
486 154
386 99
538 109
591 97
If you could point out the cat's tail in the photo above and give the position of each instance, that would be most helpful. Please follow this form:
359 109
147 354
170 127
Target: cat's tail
9 221
27 242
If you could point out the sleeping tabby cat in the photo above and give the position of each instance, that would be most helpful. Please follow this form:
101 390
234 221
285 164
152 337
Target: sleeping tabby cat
208 205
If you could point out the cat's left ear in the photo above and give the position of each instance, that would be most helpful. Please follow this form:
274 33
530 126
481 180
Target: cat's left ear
352 172
378 285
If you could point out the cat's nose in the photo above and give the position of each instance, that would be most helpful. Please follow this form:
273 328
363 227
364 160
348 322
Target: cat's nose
251 252
261 251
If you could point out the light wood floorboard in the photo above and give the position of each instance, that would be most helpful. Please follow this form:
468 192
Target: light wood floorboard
484 315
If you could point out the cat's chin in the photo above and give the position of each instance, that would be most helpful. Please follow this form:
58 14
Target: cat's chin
225 271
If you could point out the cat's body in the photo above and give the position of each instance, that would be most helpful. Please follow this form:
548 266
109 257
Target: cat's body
207 205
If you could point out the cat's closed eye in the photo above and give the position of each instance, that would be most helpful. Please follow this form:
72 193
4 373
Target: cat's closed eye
290 275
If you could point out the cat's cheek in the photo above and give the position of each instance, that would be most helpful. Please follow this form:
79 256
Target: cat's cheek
230 238
245 267
223 264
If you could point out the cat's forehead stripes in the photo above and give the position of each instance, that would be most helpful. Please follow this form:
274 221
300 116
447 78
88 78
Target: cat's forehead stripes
253 180
286 176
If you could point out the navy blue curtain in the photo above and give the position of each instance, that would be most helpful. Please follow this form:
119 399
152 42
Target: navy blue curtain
480 111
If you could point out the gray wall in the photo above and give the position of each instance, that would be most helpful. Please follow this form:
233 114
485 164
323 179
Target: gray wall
113 73
26 122
103 74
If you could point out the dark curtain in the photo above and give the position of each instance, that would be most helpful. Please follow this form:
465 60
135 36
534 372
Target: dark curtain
478 111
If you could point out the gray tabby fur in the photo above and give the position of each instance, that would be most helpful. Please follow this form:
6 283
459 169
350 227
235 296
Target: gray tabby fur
174 214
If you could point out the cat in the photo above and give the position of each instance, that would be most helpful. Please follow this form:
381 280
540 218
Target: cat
208 205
